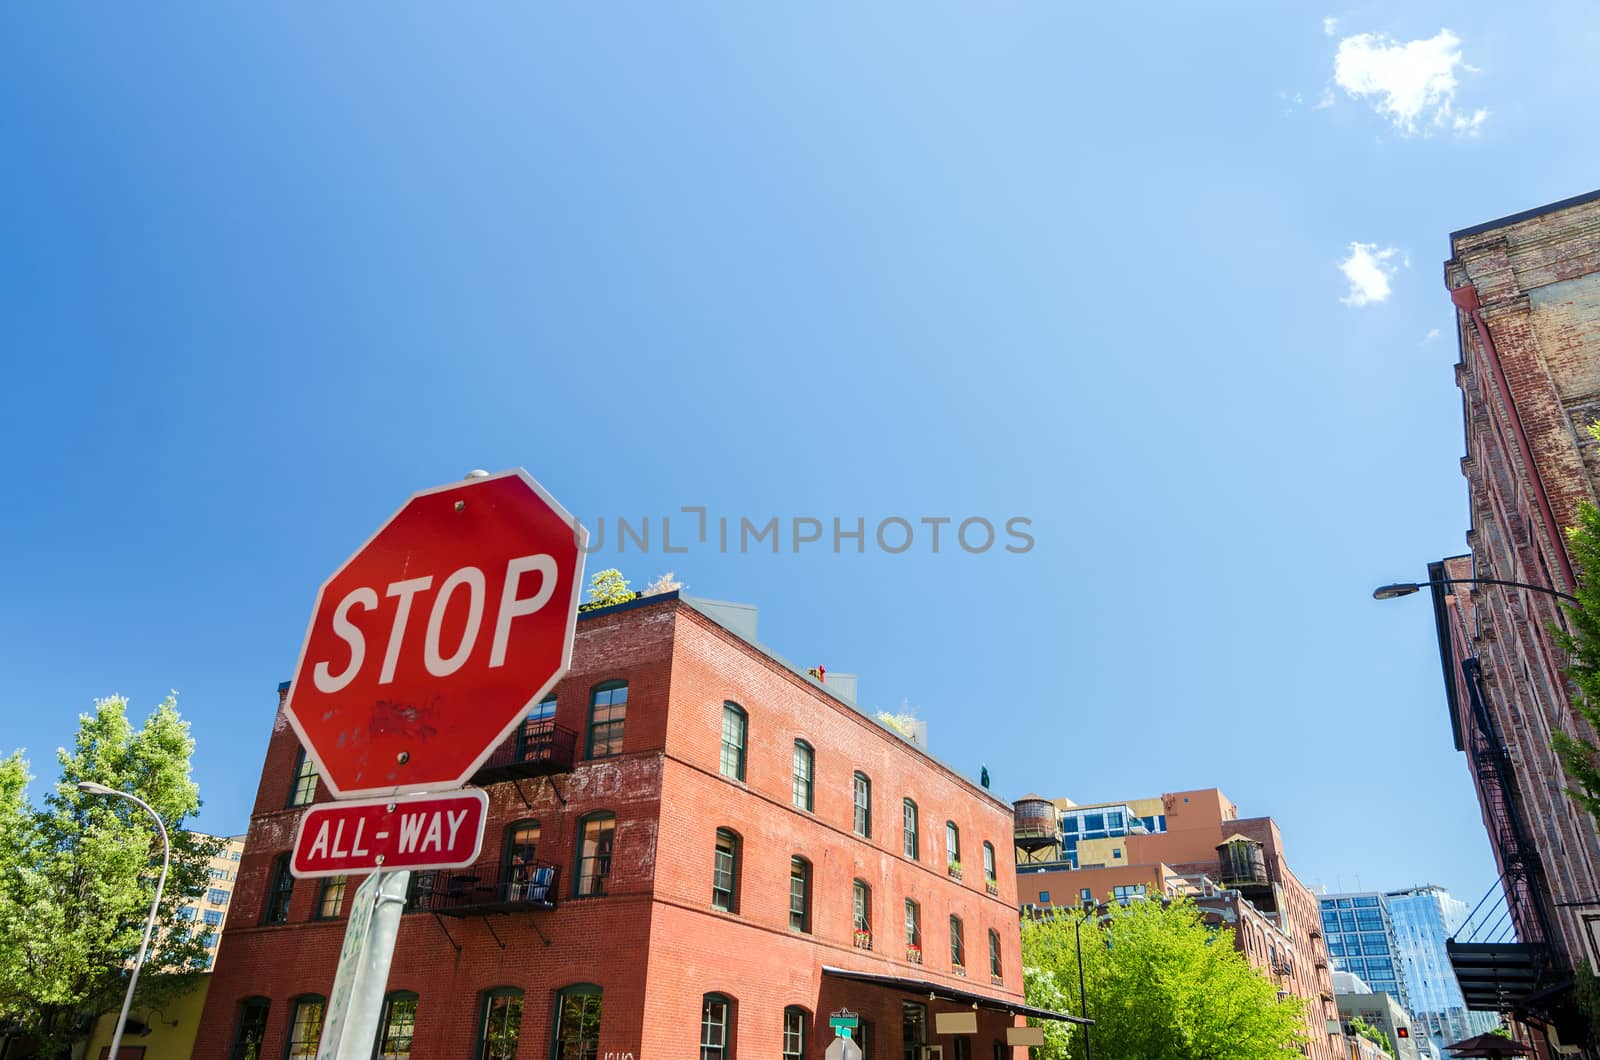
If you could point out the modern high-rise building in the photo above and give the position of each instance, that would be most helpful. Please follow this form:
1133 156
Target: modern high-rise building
1395 941
1185 844
1526 289
208 911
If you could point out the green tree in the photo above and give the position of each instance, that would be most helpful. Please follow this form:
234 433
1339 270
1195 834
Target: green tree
1160 982
1579 758
80 872
1371 1034
606 588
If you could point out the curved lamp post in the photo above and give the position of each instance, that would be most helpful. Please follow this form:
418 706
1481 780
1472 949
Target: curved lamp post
1390 592
150 924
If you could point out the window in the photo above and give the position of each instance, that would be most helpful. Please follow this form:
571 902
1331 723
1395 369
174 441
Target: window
913 1029
233 855
805 761
735 725
861 900
595 835
217 896
714 1028
187 913
725 872
608 709
279 893
502 1024
863 802
330 897
396 1027
958 946
1125 893
799 894
213 917
1044 897
963 1050
252 1028
913 925
304 787
545 711
909 812
988 861
522 843
952 843
794 1032
578 1023
305 1026
994 953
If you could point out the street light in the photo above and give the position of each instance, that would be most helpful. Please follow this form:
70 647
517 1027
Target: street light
1398 589
166 859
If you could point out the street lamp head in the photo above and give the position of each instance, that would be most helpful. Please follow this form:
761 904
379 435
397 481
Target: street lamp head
96 789
1390 592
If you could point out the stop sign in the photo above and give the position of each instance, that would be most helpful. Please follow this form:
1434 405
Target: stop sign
430 644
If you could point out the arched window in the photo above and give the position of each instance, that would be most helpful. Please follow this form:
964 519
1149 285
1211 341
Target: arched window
596 831
952 845
958 947
795 1019
304 787
861 901
252 1028
518 863
715 1040
501 1027
805 762
863 805
608 710
799 894
305 1025
994 953
725 872
397 1026
578 1022
735 728
279 893
988 863
909 813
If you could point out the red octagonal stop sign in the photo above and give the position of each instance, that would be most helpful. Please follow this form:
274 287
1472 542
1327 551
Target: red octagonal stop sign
431 642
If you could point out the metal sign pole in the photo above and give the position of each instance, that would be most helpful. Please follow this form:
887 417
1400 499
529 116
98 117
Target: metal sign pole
350 1027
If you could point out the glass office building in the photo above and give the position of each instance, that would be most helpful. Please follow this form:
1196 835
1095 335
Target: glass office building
1394 940
1103 822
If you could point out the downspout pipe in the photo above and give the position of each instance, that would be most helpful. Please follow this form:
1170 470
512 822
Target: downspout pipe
1465 298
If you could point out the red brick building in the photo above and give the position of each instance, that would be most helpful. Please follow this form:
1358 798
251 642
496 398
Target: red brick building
1527 294
1187 844
694 846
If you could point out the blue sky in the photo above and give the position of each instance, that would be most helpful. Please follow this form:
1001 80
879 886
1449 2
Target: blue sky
265 274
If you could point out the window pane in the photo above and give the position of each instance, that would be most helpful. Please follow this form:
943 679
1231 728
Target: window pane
502 1026
863 805
723 870
331 901
958 949
804 760
913 924
252 1028
994 954
713 1028
733 737
281 892
399 1024
988 860
799 895
911 829
862 902
952 841
913 1029
794 1033
304 788
305 1030
594 854
608 710
578 1027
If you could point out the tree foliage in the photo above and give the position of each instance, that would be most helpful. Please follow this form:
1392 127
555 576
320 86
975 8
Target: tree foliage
606 588
1159 982
1579 758
1372 1034
78 873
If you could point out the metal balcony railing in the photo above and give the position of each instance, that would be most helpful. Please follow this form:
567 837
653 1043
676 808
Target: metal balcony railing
539 748
535 886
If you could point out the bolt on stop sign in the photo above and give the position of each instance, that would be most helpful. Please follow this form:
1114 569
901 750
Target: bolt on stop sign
432 641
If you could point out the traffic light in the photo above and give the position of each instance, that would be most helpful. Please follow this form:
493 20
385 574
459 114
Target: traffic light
1402 1032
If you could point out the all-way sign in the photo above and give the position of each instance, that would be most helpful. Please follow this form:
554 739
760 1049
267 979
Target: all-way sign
400 832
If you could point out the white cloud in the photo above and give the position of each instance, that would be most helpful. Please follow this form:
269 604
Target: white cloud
1431 336
1368 269
1329 25
1412 84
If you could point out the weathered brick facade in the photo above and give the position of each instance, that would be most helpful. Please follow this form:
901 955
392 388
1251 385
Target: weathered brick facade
1527 293
653 943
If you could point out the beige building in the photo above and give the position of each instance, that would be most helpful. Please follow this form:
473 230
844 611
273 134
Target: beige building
206 914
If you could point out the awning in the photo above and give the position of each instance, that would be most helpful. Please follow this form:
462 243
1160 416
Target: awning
1497 976
949 993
